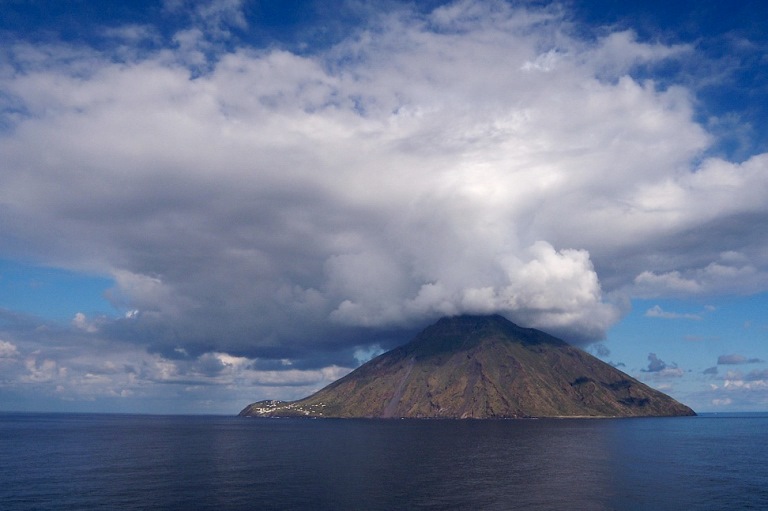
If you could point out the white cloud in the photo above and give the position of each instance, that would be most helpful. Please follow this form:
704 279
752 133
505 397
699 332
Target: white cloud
670 372
216 17
120 376
274 205
81 321
618 52
8 350
549 289
747 385
42 371
657 312
365 353
670 282
132 34
716 277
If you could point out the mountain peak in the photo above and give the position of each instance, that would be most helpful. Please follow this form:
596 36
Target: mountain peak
479 325
456 333
480 367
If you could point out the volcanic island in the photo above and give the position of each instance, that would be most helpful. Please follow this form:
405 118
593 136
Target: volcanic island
480 367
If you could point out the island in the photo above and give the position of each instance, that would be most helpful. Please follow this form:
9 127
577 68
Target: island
480 367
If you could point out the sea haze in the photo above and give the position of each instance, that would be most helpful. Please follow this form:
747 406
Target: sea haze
127 462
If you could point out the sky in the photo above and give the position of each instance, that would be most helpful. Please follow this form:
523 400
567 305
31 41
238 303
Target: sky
209 203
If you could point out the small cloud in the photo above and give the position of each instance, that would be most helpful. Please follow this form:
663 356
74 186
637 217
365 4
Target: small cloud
722 402
753 381
700 338
670 372
181 352
131 34
363 355
735 359
81 322
661 368
8 350
655 364
657 312
760 375
668 282
748 385
210 365
42 371
601 350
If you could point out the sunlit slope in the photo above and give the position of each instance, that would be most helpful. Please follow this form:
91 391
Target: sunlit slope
481 367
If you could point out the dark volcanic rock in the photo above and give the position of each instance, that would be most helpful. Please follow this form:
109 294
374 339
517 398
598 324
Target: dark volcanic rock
480 367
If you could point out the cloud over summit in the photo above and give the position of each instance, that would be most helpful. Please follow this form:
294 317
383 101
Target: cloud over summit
478 159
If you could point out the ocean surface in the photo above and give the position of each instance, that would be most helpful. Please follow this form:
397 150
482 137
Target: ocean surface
143 462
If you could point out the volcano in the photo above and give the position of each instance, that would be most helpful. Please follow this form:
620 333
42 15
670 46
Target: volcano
480 367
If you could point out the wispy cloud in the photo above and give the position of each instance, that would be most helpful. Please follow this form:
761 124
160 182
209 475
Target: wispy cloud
657 312
735 359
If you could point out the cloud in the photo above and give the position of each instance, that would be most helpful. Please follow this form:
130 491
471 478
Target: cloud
659 368
548 288
734 359
81 321
8 350
363 355
274 205
715 276
83 367
41 370
737 390
655 364
736 381
602 351
757 375
657 312
746 385
214 18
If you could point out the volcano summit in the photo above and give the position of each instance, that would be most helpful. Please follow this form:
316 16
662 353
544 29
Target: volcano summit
480 367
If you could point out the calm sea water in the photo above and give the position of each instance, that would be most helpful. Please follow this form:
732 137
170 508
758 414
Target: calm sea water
131 462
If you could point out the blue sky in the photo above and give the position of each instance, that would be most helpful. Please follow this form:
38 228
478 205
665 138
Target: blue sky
208 203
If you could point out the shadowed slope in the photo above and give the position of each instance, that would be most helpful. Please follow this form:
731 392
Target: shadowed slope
480 367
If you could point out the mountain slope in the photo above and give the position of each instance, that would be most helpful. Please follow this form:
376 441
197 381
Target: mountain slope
480 367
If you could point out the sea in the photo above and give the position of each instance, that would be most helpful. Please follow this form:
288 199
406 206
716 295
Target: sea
149 462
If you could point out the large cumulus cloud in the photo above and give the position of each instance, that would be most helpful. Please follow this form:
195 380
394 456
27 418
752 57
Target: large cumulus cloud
475 159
